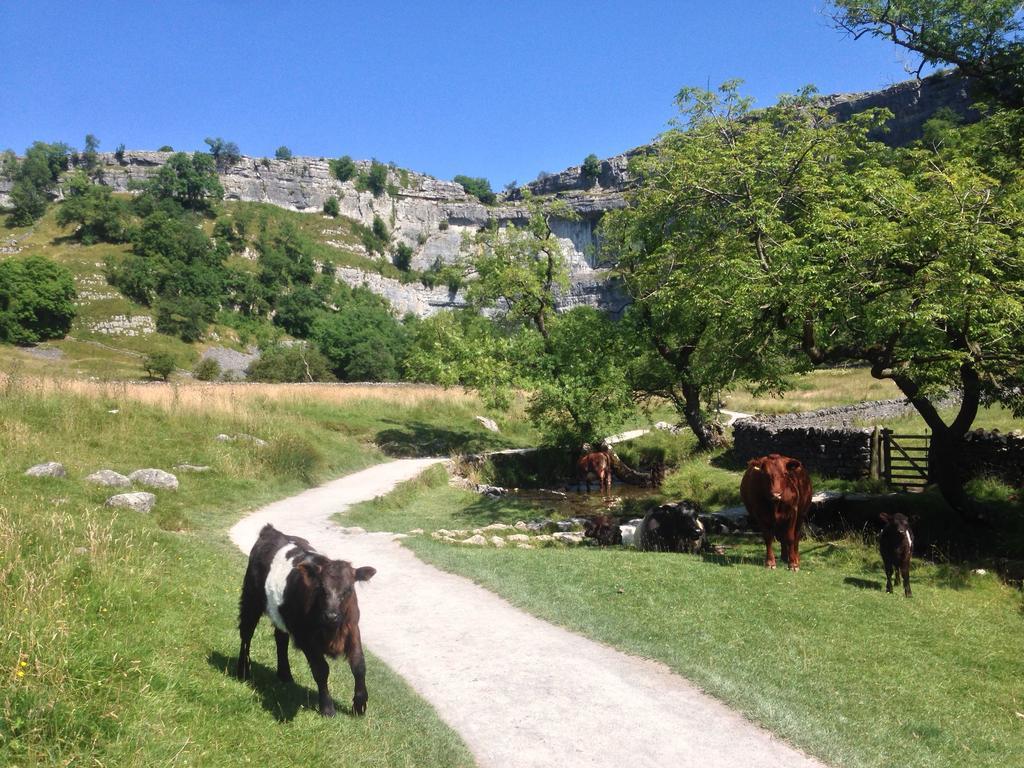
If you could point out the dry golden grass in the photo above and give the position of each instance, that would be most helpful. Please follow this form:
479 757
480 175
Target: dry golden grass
234 398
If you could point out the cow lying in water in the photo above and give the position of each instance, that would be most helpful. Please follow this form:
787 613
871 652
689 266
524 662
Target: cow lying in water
776 490
671 527
312 599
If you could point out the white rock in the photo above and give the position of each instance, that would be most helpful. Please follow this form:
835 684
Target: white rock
525 546
488 424
48 469
567 538
109 478
416 531
497 527
475 541
198 468
517 537
628 534
521 525
400 536
497 541
154 478
140 501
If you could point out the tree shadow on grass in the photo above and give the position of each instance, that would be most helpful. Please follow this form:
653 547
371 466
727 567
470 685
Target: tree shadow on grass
282 700
853 581
420 440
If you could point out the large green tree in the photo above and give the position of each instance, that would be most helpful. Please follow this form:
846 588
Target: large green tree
34 178
191 181
99 215
983 39
37 300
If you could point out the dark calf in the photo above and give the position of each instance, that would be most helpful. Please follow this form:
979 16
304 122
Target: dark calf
310 598
896 545
604 529
671 528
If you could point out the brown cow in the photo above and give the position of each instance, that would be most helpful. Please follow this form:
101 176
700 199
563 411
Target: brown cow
776 491
598 463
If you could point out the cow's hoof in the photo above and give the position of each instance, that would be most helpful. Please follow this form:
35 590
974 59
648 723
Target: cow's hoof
328 711
285 677
359 705
794 567
770 566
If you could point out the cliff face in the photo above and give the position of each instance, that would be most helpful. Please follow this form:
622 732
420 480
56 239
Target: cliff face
431 215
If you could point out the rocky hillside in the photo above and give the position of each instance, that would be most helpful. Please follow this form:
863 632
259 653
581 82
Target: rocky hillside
431 215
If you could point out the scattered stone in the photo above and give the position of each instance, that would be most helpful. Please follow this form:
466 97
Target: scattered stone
980 571
108 477
154 478
525 546
399 536
47 469
494 491
488 424
544 537
197 468
243 437
521 526
497 527
139 501
354 530
568 538
497 541
114 410
565 526
416 531
517 537
475 541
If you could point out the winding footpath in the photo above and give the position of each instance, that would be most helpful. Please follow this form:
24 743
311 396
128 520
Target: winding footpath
522 693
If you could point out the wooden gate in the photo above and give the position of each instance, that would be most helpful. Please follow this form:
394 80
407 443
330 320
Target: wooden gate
905 460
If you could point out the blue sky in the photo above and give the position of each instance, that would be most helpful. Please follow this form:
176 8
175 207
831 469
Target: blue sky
497 89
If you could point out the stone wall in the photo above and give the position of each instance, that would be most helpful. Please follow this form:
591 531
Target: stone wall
831 451
996 454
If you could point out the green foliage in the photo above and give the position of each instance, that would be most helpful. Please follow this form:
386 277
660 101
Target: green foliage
477 186
443 224
164 148
183 316
90 156
375 180
380 230
159 365
119 153
591 167
331 207
343 169
285 257
361 340
290 363
99 215
34 177
282 153
297 310
403 256
36 300
190 181
224 153
983 40
207 369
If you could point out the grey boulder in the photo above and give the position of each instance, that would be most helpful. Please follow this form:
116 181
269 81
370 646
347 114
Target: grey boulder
140 501
154 478
48 469
109 478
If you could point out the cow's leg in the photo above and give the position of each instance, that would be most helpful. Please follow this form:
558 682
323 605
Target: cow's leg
356 662
793 534
318 666
284 670
905 568
250 609
769 554
888 574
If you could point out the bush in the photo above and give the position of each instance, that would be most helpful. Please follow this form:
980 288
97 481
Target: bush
343 169
403 256
477 186
37 300
375 180
99 215
294 363
33 178
207 369
164 148
293 457
183 316
331 207
296 311
591 168
224 153
119 153
190 181
159 365
442 225
283 153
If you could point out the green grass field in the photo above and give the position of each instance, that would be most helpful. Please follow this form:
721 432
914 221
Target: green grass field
118 630
823 658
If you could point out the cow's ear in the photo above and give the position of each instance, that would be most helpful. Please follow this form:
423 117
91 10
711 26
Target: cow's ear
752 464
309 567
885 517
365 573
793 465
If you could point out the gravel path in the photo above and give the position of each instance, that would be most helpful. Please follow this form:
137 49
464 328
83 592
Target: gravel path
520 692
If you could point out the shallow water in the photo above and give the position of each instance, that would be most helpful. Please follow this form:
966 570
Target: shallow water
571 501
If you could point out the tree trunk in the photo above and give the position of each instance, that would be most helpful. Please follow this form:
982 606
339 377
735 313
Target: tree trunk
709 435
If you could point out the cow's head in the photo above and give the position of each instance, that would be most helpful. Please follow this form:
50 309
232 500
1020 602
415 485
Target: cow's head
331 585
774 473
898 521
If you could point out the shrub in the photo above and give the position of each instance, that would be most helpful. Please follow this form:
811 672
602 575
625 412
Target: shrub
294 363
297 309
283 153
159 365
33 178
477 186
591 168
442 225
375 180
190 181
37 300
380 229
293 457
207 369
99 215
403 256
164 148
343 169
183 316
224 153
119 153
331 207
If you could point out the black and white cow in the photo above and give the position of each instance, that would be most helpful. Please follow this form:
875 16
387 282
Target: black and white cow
312 599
